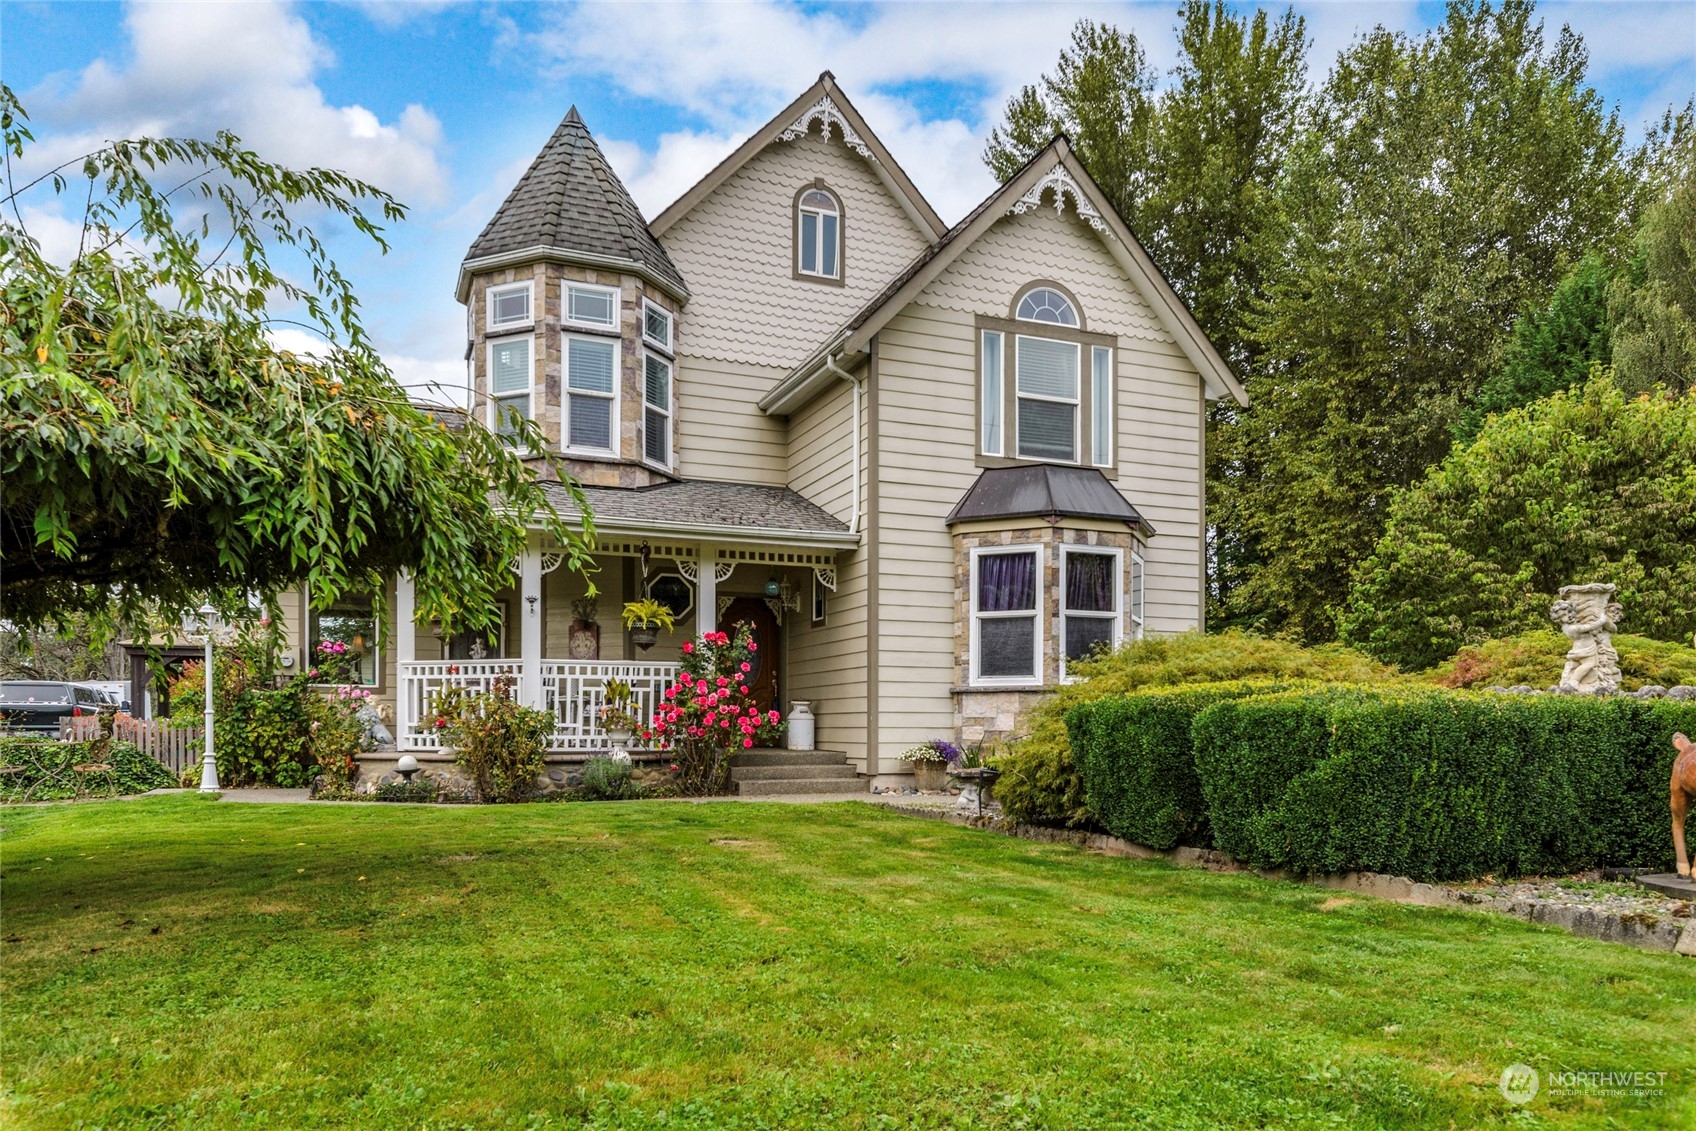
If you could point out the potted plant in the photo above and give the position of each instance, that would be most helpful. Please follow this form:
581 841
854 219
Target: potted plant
583 638
931 762
645 619
618 715
975 775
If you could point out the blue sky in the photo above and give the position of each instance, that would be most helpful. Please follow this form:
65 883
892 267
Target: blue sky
444 103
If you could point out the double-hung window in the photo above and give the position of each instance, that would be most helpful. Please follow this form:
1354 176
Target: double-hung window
1006 601
1137 572
656 409
589 305
1048 395
1090 584
509 305
656 326
818 234
591 385
510 379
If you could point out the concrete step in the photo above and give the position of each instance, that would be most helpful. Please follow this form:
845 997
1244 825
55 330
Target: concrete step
790 786
760 756
789 773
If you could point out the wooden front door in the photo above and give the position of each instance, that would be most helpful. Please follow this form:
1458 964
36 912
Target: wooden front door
762 681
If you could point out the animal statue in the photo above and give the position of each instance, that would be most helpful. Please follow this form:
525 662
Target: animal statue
1683 790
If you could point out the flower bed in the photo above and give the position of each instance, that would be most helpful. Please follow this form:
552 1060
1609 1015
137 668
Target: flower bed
709 713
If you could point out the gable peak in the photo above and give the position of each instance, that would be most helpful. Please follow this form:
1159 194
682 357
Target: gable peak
825 110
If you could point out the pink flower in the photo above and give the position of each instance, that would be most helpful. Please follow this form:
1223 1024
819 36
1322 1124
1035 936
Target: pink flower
687 648
752 647
743 689
747 742
724 681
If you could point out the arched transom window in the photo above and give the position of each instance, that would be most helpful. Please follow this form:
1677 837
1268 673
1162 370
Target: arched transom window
818 234
1045 304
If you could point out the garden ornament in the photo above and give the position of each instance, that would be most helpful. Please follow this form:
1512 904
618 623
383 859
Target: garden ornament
1589 618
1683 789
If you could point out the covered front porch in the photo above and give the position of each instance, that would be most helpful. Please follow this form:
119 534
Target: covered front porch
558 648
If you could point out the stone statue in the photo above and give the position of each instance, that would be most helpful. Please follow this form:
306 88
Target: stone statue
1683 789
1589 618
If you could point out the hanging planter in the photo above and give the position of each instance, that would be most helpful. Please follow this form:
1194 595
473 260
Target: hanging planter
644 638
644 619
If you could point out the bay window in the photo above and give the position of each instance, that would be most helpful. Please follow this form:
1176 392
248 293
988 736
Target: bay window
591 409
509 305
656 326
510 380
589 305
1137 571
1006 611
1089 601
656 410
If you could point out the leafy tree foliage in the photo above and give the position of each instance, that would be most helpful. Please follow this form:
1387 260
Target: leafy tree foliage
1441 188
156 447
1592 485
1652 305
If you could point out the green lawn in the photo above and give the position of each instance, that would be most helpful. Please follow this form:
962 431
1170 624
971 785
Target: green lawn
177 962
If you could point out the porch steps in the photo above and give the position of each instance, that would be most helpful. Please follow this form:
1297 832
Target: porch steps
768 773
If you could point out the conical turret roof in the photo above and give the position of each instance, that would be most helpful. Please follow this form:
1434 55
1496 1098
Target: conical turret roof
570 201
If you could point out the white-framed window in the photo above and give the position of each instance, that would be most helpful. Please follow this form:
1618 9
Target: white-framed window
591 395
588 305
821 599
992 394
510 304
1047 396
1138 572
1045 304
656 409
351 622
511 377
656 326
1091 595
818 234
1101 406
1006 604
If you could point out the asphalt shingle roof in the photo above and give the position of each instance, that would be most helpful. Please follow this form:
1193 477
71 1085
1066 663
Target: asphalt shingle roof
571 200
704 503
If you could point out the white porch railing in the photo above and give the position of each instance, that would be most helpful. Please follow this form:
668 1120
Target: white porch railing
572 691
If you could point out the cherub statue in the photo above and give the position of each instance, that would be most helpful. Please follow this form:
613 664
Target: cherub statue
1592 664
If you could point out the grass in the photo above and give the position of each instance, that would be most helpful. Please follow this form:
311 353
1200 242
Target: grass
178 962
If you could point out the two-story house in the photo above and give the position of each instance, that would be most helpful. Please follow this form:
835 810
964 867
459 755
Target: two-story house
930 465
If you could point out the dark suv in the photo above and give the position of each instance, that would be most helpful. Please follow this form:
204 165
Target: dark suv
38 705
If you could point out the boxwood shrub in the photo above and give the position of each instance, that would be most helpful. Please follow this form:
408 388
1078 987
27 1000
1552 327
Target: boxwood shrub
1439 785
1137 763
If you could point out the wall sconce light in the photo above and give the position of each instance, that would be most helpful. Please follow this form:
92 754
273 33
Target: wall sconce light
531 601
773 588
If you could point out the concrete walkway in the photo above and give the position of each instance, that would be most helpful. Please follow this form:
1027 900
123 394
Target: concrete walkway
297 796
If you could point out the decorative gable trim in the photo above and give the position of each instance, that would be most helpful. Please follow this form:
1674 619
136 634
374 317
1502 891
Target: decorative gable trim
826 111
1062 183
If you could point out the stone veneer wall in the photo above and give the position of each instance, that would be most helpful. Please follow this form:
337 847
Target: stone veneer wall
990 714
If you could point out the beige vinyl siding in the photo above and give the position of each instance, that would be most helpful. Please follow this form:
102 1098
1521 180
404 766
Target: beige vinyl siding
736 250
926 451
721 434
827 664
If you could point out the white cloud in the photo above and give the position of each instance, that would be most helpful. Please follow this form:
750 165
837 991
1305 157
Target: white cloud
658 178
248 68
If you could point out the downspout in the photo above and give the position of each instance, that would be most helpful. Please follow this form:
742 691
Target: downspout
831 366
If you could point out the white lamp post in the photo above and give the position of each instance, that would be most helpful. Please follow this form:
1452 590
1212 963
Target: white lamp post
208 761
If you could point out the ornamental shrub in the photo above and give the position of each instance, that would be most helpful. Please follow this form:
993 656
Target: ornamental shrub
607 779
1535 659
1040 783
1439 785
498 742
709 714
1135 757
42 769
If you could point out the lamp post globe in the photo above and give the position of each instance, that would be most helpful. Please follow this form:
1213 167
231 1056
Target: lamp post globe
208 761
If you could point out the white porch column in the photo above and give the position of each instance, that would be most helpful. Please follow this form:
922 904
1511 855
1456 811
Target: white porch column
706 590
530 632
406 651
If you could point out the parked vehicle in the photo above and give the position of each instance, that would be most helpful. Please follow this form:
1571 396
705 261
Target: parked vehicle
114 692
37 705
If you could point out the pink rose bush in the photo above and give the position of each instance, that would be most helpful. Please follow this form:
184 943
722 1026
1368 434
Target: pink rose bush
709 713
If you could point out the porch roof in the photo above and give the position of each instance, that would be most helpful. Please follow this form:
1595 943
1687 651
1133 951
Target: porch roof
700 508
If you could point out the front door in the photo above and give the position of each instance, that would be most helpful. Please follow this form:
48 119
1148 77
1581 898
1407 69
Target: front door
762 681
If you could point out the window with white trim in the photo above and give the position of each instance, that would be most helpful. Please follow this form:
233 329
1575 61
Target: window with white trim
589 305
818 234
1137 574
1045 304
991 394
656 409
1048 397
1006 603
656 326
509 305
1091 580
591 395
510 380
1101 406
351 622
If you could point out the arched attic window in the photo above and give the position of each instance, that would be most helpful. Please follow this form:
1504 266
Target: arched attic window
818 234
1045 304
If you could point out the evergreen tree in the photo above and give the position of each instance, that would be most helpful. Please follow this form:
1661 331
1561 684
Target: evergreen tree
1652 305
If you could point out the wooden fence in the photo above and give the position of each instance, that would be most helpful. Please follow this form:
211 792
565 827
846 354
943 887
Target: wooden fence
176 747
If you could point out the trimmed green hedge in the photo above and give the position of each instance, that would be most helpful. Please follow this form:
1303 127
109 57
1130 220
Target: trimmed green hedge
1439 785
1137 762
